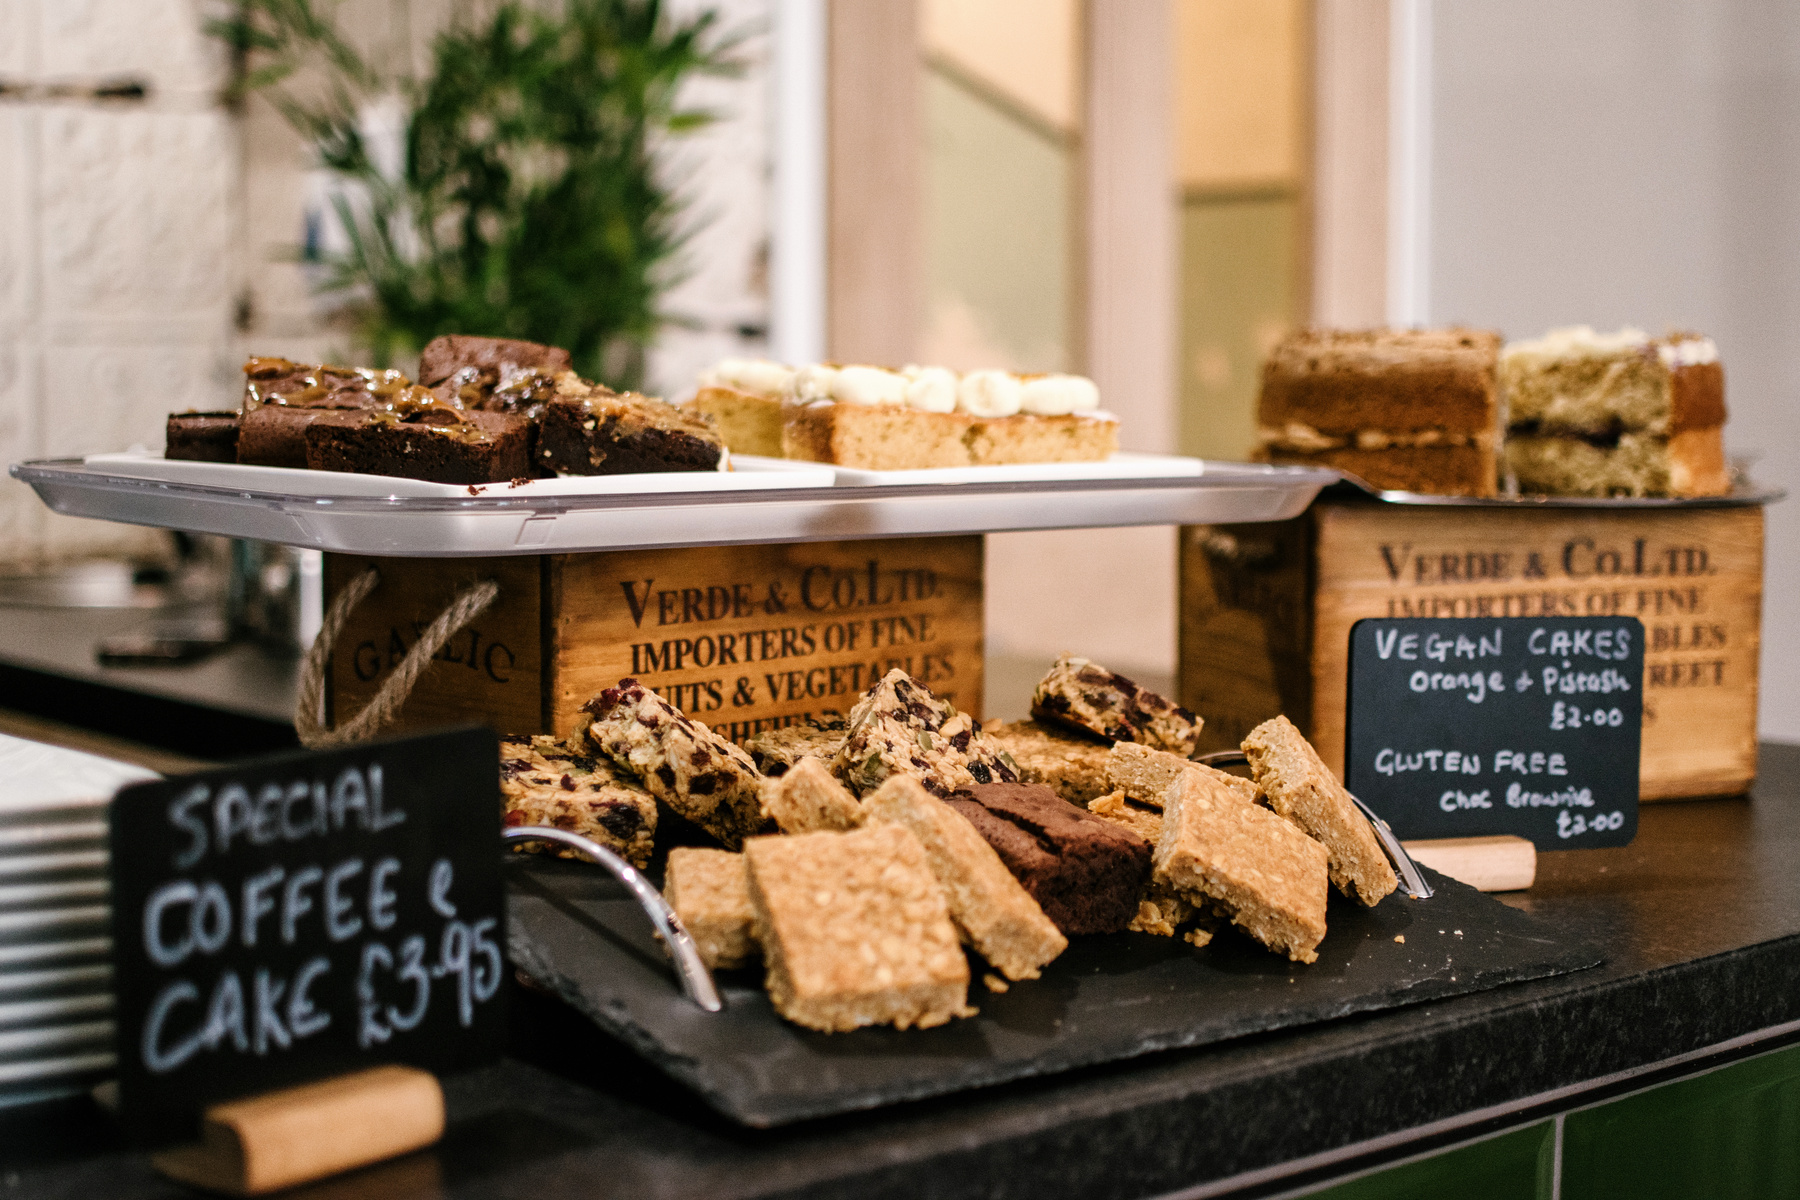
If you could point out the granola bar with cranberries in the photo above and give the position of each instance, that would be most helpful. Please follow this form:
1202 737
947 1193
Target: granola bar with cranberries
1084 696
900 728
545 782
696 772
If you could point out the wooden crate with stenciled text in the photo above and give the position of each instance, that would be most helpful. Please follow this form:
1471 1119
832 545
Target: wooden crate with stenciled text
745 638
1266 612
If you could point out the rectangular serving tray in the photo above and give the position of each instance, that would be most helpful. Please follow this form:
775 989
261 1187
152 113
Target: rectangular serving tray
576 931
497 523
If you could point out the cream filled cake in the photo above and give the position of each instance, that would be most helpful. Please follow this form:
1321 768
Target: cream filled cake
1615 414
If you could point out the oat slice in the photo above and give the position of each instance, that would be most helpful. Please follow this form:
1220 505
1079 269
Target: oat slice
710 891
1000 919
1265 874
1301 788
854 930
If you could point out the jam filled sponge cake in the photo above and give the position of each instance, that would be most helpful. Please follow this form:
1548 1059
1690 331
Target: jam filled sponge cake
1618 414
881 420
1413 410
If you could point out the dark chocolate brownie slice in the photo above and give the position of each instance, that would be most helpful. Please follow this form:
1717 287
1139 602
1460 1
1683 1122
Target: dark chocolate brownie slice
602 432
445 356
1086 873
282 398
426 441
493 374
202 436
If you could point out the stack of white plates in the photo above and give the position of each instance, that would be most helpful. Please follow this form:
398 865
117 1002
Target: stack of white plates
56 998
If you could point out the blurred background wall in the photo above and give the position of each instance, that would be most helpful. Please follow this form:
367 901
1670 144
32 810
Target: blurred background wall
1639 168
148 240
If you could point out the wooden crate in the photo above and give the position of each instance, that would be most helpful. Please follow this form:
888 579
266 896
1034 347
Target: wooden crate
1266 612
745 638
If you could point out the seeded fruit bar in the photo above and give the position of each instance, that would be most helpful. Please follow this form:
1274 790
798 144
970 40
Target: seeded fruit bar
684 764
1082 695
544 782
899 728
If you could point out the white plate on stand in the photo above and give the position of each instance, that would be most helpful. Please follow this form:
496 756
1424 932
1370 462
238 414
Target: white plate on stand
1122 465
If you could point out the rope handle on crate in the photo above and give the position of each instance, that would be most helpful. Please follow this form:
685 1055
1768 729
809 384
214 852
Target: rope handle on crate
468 604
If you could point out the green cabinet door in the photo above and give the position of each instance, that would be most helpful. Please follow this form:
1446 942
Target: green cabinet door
1514 1166
1731 1134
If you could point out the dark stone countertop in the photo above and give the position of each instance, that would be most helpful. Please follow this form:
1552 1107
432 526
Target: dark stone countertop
1700 918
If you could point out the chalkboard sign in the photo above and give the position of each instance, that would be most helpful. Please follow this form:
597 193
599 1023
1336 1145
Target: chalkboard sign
1523 725
300 916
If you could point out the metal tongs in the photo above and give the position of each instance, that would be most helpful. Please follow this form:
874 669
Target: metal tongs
1411 878
696 980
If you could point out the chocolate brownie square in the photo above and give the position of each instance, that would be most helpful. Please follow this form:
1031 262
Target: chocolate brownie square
601 432
202 436
1085 873
425 441
282 399
492 374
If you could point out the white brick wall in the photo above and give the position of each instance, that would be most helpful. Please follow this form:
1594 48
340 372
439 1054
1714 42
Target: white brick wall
128 232
116 242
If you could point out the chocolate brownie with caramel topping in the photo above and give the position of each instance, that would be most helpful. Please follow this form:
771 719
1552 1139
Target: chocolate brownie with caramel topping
1083 695
899 728
544 782
687 766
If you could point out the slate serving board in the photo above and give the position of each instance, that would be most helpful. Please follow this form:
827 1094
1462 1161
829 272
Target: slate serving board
1111 997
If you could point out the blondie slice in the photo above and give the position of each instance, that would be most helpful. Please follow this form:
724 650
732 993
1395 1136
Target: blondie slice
808 798
710 891
1260 870
1145 774
854 930
778 750
1083 695
1084 872
545 782
899 728
1300 787
684 764
995 912
1071 764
